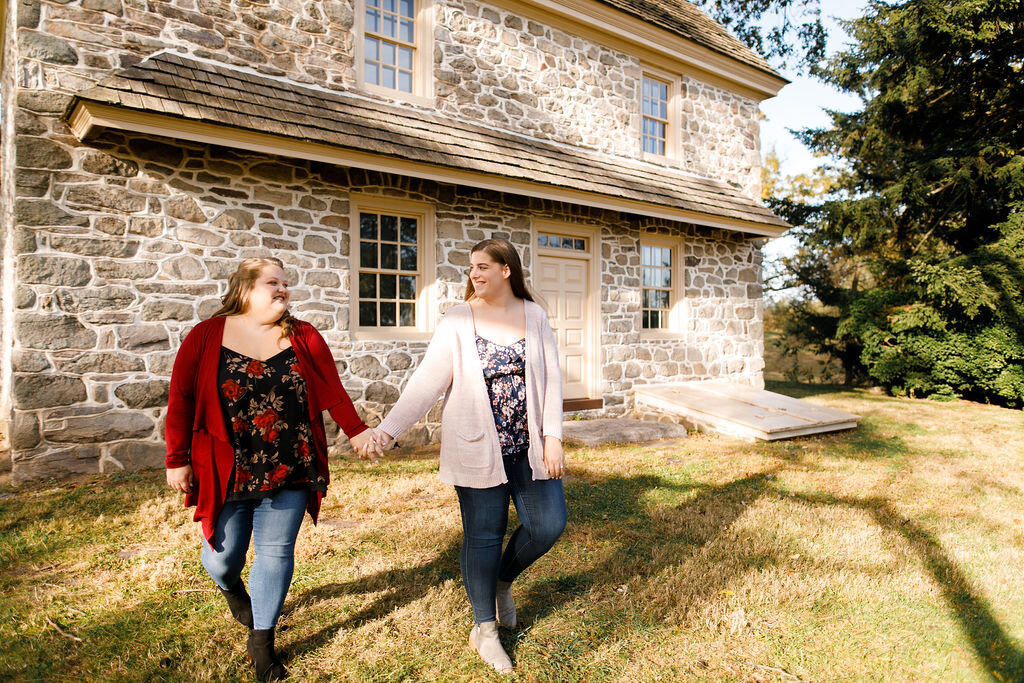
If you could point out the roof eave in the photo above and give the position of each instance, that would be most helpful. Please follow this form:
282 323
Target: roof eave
88 116
620 26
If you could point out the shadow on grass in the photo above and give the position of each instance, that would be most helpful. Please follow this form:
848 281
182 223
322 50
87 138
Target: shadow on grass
870 442
1002 659
614 502
26 521
399 587
650 545
645 540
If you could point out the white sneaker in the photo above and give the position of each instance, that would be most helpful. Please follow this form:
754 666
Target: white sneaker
484 639
504 605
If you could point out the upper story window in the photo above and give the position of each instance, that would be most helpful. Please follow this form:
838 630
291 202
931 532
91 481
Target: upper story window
392 268
393 47
655 109
389 43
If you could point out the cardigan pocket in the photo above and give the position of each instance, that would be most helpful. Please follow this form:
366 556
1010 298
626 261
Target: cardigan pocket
203 470
472 449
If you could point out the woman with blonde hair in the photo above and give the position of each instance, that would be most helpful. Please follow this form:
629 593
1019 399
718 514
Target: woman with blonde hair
246 442
495 360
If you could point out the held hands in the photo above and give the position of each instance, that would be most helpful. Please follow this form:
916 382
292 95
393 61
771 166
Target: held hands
368 444
180 478
554 457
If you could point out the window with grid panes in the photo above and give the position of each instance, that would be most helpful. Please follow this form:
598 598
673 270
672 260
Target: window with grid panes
388 270
389 44
655 115
656 290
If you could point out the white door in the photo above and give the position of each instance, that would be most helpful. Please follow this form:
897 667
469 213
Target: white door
563 284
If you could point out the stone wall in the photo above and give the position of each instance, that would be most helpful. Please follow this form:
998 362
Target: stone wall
518 74
720 136
722 334
489 65
128 243
113 248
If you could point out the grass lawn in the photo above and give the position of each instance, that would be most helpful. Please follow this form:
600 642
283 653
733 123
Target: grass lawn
893 552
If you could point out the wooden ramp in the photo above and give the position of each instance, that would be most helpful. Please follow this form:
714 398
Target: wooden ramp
740 410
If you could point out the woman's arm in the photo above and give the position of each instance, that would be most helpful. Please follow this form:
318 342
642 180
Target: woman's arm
431 379
341 408
554 456
181 411
181 403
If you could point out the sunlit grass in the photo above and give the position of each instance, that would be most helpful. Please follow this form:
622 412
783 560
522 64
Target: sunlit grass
892 552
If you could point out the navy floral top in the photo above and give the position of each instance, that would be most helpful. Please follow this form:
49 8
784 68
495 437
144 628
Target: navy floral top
505 375
267 413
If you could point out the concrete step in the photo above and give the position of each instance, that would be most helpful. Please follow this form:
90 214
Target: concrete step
741 410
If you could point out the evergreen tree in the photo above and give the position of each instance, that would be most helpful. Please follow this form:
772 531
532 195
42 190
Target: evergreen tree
916 258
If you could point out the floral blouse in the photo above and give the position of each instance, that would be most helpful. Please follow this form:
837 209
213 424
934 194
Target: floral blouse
267 413
505 375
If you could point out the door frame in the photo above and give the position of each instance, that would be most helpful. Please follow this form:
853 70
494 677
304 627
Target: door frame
592 233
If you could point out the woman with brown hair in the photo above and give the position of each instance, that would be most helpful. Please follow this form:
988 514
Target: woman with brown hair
246 442
495 360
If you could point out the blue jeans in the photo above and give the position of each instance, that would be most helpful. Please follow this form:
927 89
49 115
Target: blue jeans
541 508
273 523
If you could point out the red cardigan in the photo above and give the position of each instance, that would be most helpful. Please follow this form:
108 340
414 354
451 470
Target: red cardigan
195 431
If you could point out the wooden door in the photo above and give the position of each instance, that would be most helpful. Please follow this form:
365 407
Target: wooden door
564 286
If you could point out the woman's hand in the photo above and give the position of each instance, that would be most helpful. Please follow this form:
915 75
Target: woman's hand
366 444
180 478
554 457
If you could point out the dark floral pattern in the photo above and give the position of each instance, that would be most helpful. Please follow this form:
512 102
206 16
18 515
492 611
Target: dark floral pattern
505 374
267 412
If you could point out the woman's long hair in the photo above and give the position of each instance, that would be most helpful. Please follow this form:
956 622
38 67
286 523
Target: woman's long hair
504 253
240 284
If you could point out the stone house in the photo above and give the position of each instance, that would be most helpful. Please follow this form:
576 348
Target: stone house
149 144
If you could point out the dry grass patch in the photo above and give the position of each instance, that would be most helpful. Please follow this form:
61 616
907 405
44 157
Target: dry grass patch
892 552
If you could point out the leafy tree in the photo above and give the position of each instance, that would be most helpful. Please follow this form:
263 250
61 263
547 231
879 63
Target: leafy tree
782 31
821 275
917 256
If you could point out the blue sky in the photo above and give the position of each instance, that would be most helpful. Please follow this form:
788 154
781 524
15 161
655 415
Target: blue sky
802 103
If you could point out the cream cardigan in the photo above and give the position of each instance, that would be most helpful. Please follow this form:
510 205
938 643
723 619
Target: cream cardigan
470 454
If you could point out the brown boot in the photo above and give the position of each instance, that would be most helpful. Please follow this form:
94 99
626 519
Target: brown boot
260 647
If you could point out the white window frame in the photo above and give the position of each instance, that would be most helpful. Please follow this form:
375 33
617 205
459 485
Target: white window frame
672 140
423 59
677 306
426 295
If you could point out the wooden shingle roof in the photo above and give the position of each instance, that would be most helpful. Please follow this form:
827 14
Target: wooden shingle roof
685 19
195 91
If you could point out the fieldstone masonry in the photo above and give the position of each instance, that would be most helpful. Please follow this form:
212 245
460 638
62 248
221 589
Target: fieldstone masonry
114 248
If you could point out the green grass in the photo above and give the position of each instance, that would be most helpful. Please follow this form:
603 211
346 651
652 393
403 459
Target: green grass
887 553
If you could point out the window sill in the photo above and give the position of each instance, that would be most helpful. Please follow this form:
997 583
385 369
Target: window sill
380 92
661 335
659 159
395 334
